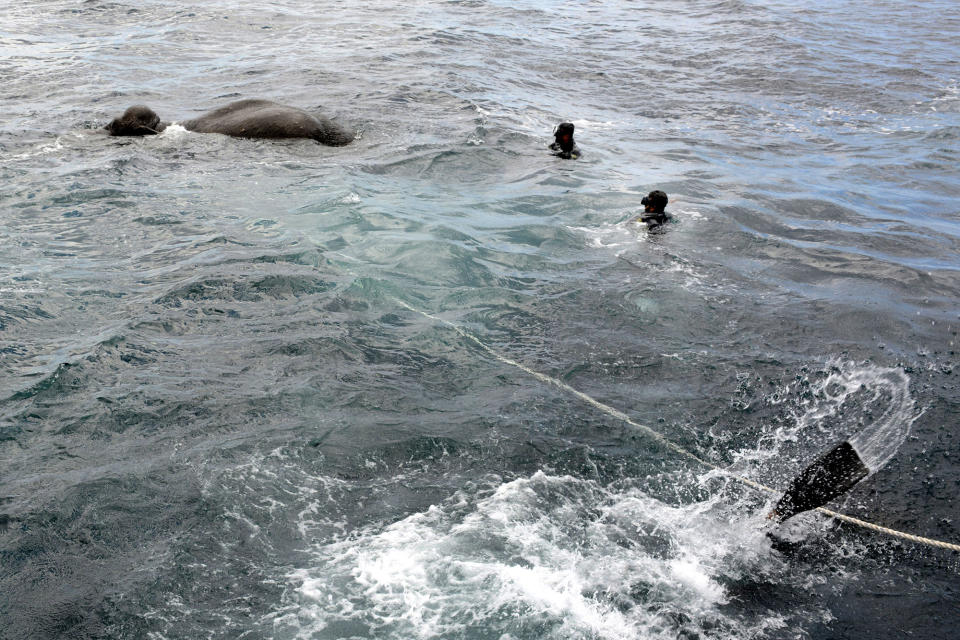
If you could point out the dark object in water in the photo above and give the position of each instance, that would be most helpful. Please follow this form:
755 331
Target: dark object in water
655 201
654 220
563 145
831 475
242 119
654 204
138 120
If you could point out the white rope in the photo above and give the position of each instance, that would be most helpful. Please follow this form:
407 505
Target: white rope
661 438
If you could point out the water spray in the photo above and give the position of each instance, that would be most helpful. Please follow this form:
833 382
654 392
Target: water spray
838 470
829 477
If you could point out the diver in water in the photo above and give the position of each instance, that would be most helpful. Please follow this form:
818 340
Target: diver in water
563 145
654 204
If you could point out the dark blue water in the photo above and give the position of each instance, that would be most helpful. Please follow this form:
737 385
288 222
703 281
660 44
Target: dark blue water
241 395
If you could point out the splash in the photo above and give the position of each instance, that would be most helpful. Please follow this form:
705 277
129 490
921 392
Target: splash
878 442
853 395
545 557
867 405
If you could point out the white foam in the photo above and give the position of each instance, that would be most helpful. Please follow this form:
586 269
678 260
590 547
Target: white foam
174 129
545 556
596 124
692 214
611 235
692 575
47 148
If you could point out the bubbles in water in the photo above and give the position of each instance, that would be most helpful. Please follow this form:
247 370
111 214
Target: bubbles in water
541 557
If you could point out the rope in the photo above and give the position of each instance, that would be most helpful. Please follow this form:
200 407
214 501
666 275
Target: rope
890 532
659 437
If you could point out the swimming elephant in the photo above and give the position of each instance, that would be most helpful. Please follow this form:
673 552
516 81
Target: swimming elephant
243 119
136 121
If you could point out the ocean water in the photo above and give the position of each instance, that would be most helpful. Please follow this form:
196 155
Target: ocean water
271 389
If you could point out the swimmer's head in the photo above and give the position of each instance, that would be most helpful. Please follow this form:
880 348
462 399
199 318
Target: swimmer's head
563 136
136 121
654 202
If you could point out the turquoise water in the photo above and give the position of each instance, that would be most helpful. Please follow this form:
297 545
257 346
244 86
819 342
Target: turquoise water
225 413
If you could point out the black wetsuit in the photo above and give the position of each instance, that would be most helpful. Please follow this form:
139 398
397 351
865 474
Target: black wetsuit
573 154
654 220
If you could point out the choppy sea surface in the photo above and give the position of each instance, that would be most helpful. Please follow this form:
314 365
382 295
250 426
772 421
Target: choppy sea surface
271 389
